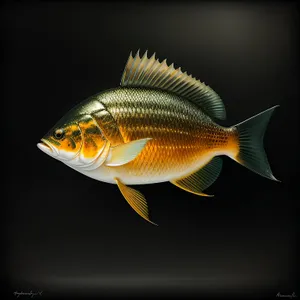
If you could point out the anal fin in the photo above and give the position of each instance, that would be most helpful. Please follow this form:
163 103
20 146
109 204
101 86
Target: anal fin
197 182
135 199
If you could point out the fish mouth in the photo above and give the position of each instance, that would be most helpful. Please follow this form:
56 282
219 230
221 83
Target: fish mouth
46 147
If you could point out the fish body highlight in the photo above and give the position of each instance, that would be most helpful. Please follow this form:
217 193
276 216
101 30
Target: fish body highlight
183 138
159 125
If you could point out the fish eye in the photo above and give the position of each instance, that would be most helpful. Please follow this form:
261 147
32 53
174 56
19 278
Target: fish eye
59 134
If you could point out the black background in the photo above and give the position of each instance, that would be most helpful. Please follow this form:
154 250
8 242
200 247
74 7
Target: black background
87 241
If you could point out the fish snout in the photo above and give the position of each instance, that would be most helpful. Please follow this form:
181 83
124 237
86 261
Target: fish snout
47 148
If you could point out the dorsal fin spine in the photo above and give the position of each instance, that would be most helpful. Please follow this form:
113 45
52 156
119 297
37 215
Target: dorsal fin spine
185 91
136 65
149 65
194 95
178 82
142 73
169 71
163 68
179 86
149 72
125 70
175 82
154 74
133 68
193 91
144 58
155 66
174 79
165 81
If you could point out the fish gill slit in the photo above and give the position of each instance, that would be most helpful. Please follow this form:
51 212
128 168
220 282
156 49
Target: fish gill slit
105 109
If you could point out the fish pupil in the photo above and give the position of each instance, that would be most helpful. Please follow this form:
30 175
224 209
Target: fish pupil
58 134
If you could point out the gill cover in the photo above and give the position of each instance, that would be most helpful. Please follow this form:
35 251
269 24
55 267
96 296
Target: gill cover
95 147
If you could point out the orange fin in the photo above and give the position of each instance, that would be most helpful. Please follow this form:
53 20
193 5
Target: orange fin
135 199
202 179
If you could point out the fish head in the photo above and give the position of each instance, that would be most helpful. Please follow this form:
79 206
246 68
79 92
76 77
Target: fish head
77 142
63 141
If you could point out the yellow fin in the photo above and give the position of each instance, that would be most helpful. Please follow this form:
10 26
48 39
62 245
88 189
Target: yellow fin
202 179
124 153
135 199
149 72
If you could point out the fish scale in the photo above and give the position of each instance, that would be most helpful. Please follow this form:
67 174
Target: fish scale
180 133
159 125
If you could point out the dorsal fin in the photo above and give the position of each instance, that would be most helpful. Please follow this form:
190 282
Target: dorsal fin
149 72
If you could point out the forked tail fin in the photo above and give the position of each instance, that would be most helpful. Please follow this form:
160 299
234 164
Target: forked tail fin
251 152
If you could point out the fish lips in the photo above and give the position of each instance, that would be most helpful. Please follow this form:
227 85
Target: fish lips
47 148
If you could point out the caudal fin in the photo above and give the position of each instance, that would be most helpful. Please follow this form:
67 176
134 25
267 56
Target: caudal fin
251 152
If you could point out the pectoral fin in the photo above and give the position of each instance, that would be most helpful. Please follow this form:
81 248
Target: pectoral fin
202 179
122 154
135 199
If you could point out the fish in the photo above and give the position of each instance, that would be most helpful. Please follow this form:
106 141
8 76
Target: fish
159 125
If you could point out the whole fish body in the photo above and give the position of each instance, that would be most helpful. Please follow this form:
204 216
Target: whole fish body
159 125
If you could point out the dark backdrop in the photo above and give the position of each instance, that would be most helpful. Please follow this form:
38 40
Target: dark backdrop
88 241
